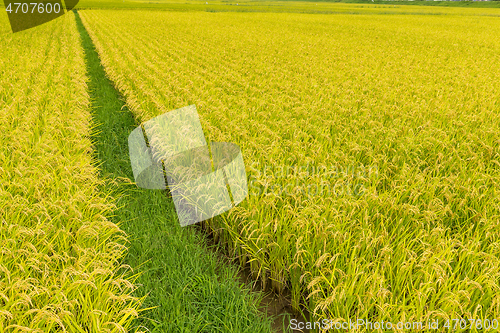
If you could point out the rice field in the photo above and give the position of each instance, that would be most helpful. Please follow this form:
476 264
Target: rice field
60 268
370 141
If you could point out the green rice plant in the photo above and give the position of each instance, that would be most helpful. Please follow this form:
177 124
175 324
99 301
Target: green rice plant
59 255
405 106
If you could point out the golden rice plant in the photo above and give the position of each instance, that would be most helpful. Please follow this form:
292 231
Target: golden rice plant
59 255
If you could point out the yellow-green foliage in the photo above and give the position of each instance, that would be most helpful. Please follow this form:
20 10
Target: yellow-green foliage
59 256
415 99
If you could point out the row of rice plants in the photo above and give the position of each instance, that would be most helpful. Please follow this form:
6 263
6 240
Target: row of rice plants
403 107
59 255
309 6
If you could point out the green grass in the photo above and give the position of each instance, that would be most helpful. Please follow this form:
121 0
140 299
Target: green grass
188 289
